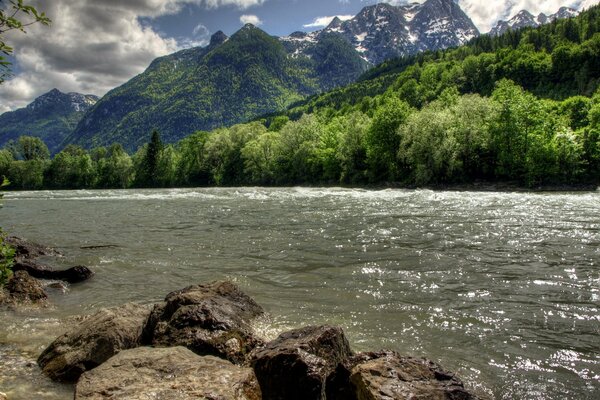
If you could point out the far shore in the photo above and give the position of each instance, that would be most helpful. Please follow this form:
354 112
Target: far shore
480 186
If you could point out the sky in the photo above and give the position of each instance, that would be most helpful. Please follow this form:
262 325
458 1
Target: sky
93 46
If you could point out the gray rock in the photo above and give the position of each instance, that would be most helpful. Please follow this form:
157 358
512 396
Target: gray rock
93 341
297 364
167 373
22 288
25 249
387 375
26 253
212 319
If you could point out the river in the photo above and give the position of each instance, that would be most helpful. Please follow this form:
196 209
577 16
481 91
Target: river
502 288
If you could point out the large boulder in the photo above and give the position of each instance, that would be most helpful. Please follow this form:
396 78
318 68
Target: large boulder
297 364
167 373
386 375
212 319
22 288
93 341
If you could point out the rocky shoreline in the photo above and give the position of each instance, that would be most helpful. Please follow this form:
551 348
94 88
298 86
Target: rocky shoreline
25 287
199 342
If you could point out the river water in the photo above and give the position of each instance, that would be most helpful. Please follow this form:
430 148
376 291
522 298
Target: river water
503 288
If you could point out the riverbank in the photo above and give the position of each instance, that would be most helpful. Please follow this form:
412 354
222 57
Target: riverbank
477 186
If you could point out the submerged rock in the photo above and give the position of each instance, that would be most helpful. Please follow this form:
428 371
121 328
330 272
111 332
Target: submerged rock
25 254
212 319
22 288
93 341
167 373
25 249
75 274
297 364
386 375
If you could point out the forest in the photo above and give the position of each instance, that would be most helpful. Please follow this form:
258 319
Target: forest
521 108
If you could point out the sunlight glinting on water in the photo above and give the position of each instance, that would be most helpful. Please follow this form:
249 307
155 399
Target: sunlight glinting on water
502 288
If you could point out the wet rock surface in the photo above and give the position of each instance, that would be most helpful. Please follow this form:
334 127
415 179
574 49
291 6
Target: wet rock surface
297 364
212 319
24 249
22 288
167 373
386 375
75 274
93 341
26 254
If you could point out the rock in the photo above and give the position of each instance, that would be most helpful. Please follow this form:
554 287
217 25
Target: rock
212 319
72 275
22 288
25 249
167 373
3 396
93 341
25 254
388 376
297 364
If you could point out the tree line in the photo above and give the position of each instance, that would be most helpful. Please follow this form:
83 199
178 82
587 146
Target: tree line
510 135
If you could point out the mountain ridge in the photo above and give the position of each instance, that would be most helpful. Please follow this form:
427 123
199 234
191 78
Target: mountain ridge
51 117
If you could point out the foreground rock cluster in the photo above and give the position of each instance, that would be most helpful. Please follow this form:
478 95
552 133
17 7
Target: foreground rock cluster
24 287
199 343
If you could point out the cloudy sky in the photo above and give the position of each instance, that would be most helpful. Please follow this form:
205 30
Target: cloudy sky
93 46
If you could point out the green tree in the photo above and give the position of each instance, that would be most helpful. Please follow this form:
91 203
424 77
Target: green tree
12 13
383 140
72 168
6 158
147 171
114 167
519 117
259 158
192 169
27 175
429 148
167 167
224 152
29 148
352 150
296 153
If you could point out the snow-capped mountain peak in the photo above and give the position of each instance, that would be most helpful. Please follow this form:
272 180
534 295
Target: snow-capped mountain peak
383 31
524 19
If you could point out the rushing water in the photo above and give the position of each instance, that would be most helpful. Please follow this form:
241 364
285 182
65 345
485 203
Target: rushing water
503 288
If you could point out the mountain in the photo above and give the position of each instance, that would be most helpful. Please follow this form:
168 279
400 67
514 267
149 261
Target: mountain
229 81
524 19
235 79
51 117
383 31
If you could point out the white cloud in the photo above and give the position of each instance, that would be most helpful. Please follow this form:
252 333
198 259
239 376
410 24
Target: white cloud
242 4
93 46
320 22
250 19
